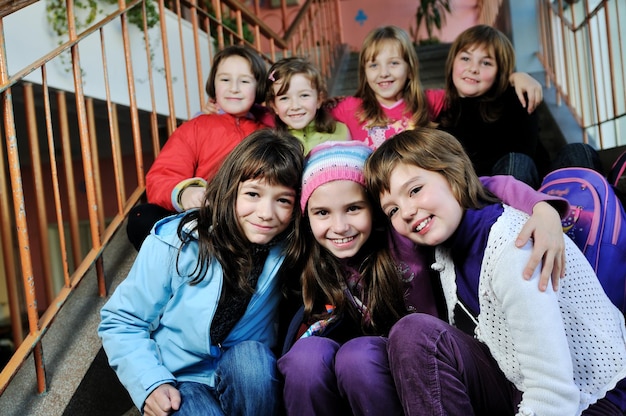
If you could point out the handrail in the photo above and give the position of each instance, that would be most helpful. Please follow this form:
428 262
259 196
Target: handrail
251 18
85 142
582 52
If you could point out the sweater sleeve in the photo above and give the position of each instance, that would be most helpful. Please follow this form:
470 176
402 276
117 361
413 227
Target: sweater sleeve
126 321
436 99
177 161
346 112
537 335
521 196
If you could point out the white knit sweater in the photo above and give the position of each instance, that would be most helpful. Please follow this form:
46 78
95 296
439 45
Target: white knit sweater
564 350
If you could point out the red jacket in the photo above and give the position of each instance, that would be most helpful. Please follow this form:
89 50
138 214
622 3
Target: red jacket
195 149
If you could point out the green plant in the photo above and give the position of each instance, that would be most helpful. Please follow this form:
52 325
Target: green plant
230 23
57 14
85 14
431 13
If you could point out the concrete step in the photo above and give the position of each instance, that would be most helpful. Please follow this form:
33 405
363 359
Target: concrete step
79 380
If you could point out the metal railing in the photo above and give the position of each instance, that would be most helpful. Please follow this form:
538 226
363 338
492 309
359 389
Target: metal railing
582 51
70 140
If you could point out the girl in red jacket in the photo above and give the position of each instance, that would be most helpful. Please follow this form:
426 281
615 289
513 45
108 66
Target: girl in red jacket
193 153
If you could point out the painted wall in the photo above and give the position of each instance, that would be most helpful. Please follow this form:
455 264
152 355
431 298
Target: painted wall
31 38
360 17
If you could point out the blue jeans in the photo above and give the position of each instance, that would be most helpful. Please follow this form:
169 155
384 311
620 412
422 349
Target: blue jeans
246 384
323 377
520 166
579 155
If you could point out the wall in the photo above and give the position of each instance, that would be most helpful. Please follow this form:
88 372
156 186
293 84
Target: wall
525 35
360 17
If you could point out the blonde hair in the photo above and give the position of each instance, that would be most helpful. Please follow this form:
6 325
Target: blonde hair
413 93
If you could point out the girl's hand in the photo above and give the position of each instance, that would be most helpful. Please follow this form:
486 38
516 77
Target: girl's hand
525 84
332 102
192 197
545 228
210 107
163 401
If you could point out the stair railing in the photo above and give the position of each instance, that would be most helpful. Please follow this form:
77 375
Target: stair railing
582 51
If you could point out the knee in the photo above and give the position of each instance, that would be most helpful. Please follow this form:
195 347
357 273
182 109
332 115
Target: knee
577 154
359 354
413 332
312 355
361 362
520 166
252 361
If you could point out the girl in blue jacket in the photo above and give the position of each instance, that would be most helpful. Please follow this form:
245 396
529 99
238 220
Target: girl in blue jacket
190 330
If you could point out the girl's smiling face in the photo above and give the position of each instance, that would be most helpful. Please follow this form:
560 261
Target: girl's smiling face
387 73
420 205
235 86
474 71
298 106
340 216
263 210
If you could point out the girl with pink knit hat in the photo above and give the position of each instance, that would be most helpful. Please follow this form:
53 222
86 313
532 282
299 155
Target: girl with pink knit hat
335 356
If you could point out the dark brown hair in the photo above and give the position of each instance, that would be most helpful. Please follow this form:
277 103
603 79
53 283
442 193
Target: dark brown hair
497 44
257 66
277 157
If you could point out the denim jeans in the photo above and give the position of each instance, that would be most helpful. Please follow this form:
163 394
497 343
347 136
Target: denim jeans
323 377
440 370
520 166
246 384
579 155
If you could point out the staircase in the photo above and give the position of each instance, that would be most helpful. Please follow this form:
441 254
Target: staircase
78 384
81 385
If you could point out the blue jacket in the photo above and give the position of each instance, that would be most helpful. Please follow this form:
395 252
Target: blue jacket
155 328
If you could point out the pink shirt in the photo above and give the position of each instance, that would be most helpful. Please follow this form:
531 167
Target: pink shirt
347 110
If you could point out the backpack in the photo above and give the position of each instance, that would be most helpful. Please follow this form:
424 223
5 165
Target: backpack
618 169
596 223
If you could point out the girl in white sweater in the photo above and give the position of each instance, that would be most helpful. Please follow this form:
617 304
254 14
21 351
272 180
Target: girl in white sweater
509 348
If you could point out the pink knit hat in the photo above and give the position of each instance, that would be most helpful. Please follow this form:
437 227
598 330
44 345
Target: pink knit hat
333 161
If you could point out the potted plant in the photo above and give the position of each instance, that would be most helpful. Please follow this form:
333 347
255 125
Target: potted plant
431 13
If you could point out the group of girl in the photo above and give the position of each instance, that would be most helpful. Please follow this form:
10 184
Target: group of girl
389 99
192 328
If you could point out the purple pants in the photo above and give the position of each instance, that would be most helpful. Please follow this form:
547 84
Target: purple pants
323 377
439 370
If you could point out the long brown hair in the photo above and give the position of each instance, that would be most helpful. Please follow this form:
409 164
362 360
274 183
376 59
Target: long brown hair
413 93
324 273
274 156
